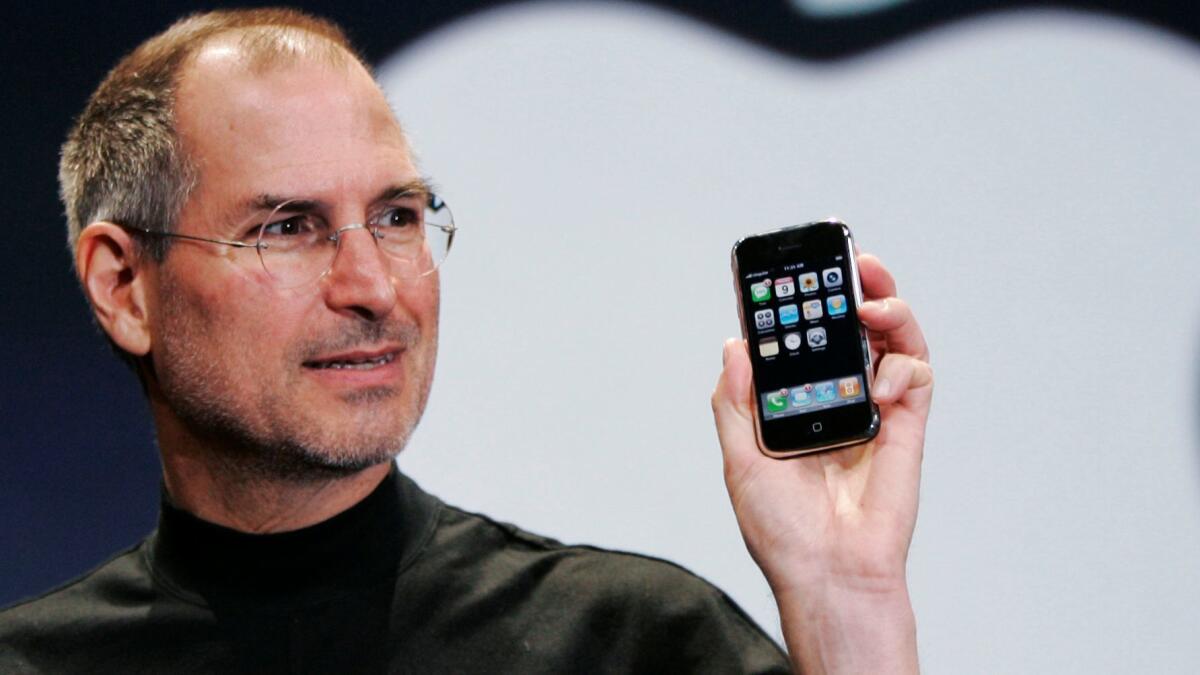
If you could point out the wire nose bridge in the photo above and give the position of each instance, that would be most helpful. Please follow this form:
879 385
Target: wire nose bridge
336 238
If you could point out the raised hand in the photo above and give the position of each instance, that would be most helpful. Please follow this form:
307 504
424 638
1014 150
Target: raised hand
831 530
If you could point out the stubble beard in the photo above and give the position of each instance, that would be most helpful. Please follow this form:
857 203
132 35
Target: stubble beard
267 438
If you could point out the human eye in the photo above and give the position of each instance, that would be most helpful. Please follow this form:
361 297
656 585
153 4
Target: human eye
290 226
286 231
396 217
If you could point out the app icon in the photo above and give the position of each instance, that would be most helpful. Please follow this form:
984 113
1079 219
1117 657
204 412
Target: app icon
764 319
768 347
777 401
788 315
825 392
791 340
848 387
808 282
836 304
832 277
812 309
761 292
802 396
785 287
816 337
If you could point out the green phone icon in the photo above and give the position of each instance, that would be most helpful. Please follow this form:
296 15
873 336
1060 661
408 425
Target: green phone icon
777 401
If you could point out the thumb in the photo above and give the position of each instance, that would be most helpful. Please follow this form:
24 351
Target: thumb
732 405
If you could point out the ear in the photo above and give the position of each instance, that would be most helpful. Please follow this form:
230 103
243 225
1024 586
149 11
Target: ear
115 279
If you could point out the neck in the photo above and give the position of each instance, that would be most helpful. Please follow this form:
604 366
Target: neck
259 504
355 550
245 490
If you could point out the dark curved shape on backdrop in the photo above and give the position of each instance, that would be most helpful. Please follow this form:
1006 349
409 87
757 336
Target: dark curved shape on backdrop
787 29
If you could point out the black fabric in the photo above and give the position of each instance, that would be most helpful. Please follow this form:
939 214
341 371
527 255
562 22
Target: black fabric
399 583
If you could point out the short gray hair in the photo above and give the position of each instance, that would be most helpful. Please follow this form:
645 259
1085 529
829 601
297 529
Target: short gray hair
123 160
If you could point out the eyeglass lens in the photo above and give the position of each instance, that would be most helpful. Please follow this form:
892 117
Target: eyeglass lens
297 245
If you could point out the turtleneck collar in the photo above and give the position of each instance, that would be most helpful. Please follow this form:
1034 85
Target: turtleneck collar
355 550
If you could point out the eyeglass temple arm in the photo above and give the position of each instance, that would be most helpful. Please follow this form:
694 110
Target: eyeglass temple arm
174 235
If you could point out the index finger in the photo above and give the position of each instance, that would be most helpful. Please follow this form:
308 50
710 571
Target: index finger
877 281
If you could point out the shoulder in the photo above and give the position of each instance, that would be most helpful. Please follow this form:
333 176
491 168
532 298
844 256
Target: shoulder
620 597
111 581
587 569
39 626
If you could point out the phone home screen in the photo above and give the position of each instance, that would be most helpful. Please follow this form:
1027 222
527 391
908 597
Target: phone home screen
805 343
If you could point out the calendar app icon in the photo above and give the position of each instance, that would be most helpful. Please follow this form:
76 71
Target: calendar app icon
785 287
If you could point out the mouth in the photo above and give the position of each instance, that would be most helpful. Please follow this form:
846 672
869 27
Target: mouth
354 360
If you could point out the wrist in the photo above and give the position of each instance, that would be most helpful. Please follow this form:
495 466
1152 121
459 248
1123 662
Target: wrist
839 628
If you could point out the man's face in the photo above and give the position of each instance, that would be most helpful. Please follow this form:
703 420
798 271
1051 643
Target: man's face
242 365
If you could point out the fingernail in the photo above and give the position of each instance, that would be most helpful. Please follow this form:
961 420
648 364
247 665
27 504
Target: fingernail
874 305
725 351
882 387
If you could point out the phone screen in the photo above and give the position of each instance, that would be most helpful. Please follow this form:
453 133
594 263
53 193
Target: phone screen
799 292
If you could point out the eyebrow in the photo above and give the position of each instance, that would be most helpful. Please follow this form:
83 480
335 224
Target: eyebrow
267 201
419 186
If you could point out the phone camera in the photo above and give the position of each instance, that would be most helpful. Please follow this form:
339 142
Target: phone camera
833 278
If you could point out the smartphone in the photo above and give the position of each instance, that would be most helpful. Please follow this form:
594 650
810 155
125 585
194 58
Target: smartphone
798 295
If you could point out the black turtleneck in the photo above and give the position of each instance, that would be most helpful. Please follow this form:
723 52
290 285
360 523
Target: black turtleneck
281 598
398 583
358 548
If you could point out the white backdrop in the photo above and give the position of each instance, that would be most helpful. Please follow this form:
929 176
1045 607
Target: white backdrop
1031 179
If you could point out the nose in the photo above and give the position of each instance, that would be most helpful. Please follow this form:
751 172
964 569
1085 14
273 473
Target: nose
360 280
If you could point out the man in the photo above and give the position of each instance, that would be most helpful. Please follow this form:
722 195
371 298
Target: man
241 202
